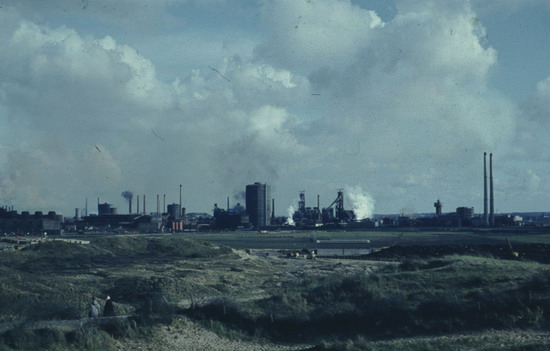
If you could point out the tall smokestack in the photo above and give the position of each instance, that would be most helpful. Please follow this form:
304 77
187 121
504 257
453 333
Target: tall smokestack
318 201
491 198
164 204
86 207
158 203
144 211
273 208
137 202
228 203
485 215
128 196
180 195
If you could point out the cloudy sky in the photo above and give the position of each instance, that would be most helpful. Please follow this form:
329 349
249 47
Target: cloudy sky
394 101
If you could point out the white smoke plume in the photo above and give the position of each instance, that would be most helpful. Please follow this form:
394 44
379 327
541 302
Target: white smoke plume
290 212
362 202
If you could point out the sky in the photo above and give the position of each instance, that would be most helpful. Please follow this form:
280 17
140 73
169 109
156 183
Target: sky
393 101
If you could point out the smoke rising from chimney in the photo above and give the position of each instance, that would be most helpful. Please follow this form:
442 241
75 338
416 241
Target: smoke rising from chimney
362 202
128 195
290 212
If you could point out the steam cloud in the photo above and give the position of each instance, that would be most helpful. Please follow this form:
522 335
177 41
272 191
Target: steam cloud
362 202
290 212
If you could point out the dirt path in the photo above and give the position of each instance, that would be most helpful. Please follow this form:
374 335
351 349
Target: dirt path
186 335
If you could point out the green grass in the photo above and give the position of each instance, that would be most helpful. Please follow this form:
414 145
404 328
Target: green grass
526 238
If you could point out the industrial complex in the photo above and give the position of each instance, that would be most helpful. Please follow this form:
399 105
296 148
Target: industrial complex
257 213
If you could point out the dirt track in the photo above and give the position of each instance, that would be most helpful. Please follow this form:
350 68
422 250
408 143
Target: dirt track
187 335
531 252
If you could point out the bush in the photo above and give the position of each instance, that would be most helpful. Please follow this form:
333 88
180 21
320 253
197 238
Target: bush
39 339
425 297
91 339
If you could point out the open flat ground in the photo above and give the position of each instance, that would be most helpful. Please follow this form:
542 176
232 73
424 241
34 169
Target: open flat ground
423 291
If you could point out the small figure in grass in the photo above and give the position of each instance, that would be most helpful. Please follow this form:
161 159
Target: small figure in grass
94 308
109 308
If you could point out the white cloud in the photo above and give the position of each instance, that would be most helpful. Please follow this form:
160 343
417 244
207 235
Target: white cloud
331 96
95 108
309 34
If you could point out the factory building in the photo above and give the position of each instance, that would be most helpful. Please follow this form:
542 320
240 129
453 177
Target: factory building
231 219
175 217
174 211
333 216
37 224
335 212
258 204
106 209
307 216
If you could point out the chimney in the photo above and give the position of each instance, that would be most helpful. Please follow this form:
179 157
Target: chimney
273 208
228 203
164 204
130 205
158 203
491 198
137 201
485 215
144 211
180 195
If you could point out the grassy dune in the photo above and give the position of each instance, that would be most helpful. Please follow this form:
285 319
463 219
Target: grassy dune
420 297
451 302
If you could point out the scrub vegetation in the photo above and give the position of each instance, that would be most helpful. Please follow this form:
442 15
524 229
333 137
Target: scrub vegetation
190 292
419 297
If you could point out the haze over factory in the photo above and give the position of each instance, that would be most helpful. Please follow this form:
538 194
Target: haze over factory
258 212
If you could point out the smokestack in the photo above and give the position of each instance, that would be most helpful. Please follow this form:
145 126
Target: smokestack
164 204
228 203
273 208
158 203
86 207
144 211
318 201
491 198
128 196
485 215
137 204
180 195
